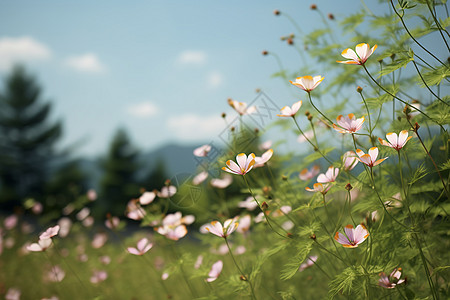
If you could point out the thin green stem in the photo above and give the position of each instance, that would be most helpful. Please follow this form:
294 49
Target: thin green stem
247 279
312 103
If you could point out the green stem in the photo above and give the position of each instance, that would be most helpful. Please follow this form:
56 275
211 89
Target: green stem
312 103
427 271
247 279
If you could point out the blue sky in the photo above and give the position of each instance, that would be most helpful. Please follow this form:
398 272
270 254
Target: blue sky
161 69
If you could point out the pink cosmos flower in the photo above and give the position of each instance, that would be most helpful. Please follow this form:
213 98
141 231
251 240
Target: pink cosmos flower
198 262
370 159
244 224
83 214
318 187
13 294
202 151
363 51
284 210
172 232
55 274
307 83
10 222
309 263
266 145
290 111
394 141
241 107
99 240
164 276
91 195
352 237
392 280
147 198
349 160
306 174
37 208
306 135
98 276
49 233
243 166
329 176
135 211
199 178
223 182
348 124
112 222
224 231
40 246
215 271
261 160
142 247
167 191
249 203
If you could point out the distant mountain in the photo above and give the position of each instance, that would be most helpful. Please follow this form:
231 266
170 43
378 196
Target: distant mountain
178 160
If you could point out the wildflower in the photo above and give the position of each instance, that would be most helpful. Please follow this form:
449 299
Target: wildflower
37 208
13 294
224 231
307 83
112 222
198 262
306 135
199 178
216 269
288 225
349 160
352 237
91 195
241 107
394 141
202 151
142 247
284 210
147 198
309 262
88 222
266 145
329 176
261 160
392 280
83 214
98 276
172 232
359 57
105 259
164 276
49 233
167 191
10 222
370 159
306 174
243 166
348 124
249 203
290 111
99 240
223 182
56 274
244 224
40 246
318 187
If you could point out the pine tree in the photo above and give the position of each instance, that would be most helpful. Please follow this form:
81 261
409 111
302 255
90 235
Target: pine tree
119 183
27 138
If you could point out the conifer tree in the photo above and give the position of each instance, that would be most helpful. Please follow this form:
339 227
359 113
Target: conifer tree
27 138
119 183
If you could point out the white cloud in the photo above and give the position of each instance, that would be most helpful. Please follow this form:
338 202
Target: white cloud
88 62
215 79
143 109
22 49
194 127
192 57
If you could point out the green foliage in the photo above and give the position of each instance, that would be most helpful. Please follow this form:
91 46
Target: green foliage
290 269
343 283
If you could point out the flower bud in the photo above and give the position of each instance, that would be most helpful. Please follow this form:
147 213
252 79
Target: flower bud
416 127
359 89
243 278
265 52
167 182
310 117
330 16
256 130
264 205
313 236
276 12
307 113
232 129
289 235
393 56
284 177
406 110
348 187
290 41
266 190
313 6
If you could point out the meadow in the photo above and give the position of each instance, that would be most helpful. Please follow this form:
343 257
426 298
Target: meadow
358 211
